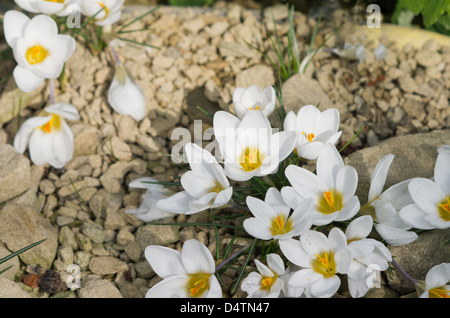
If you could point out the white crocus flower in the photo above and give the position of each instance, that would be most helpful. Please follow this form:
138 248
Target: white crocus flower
148 211
437 282
48 137
185 274
111 13
205 185
321 259
384 206
248 147
332 188
267 282
313 129
272 218
49 7
431 207
125 96
369 256
253 98
38 49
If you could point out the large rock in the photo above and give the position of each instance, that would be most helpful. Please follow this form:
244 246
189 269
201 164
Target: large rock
10 289
415 156
418 257
15 173
99 288
22 225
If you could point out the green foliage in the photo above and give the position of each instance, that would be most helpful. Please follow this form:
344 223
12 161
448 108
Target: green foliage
14 254
188 3
435 14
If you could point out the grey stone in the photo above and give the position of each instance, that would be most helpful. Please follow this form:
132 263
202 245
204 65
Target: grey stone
418 257
156 234
15 173
86 139
24 225
99 288
260 75
14 262
10 289
415 156
106 265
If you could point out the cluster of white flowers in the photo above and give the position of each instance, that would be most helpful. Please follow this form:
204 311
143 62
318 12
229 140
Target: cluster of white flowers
315 218
41 53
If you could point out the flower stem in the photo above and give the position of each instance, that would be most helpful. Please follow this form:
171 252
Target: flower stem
409 277
51 97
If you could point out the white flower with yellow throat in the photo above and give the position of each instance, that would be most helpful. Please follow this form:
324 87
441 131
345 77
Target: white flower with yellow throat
48 136
40 52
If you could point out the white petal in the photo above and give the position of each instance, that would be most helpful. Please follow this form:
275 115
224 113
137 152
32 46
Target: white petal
293 251
257 229
326 287
23 135
359 228
379 175
349 210
197 183
196 258
329 163
177 203
395 237
442 171
64 110
223 197
398 195
127 99
275 263
14 23
346 182
27 5
426 194
438 276
170 287
414 216
26 80
314 243
164 261
304 278
306 183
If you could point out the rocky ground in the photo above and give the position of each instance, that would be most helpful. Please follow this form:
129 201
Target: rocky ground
402 100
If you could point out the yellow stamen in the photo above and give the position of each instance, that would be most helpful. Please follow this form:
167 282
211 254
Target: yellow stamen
36 54
254 107
330 202
57 1
280 225
250 159
267 282
53 124
198 284
310 136
105 8
444 209
439 292
324 264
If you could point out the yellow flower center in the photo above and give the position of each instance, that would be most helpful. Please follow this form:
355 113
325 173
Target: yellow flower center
444 209
53 124
36 54
324 264
198 284
217 187
254 107
280 225
439 292
250 159
57 1
330 202
310 136
267 282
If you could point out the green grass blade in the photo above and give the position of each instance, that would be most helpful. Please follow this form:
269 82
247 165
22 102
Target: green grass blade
22 250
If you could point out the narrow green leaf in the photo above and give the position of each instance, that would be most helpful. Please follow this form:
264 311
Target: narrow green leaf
12 255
